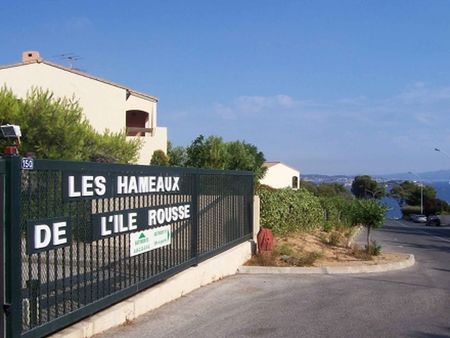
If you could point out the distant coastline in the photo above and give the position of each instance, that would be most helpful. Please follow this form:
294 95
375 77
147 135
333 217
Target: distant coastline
442 187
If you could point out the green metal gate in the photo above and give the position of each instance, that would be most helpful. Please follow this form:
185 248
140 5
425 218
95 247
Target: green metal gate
80 237
2 265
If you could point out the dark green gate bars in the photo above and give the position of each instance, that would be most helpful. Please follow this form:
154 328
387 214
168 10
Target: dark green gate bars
82 236
2 265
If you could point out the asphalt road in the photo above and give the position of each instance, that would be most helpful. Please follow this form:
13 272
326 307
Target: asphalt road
414 302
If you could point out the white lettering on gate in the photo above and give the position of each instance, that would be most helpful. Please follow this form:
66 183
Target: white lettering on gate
143 184
146 184
118 223
72 192
100 185
122 184
103 230
86 185
133 187
160 184
152 183
175 186
39 240
168 214
59 233
44 234
89 186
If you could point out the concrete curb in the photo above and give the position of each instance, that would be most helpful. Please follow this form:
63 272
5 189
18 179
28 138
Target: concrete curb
329 270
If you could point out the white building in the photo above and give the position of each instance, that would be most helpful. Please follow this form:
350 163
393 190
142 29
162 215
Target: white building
280 175
106 105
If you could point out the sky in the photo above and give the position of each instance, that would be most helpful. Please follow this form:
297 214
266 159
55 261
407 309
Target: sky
329 87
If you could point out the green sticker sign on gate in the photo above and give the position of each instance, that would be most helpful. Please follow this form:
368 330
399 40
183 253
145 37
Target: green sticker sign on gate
147 240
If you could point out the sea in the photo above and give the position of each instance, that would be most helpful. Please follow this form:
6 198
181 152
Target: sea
442 191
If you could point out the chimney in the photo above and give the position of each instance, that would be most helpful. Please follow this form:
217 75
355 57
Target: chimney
30 55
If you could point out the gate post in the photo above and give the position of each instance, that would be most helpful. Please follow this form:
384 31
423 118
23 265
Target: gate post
194 224
13 248
2 256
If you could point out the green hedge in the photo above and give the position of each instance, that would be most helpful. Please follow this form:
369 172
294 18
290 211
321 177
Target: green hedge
337 210
287 210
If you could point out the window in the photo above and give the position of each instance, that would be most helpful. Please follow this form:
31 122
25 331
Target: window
294 182
136 121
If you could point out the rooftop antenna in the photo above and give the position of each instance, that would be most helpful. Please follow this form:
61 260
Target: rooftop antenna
71 59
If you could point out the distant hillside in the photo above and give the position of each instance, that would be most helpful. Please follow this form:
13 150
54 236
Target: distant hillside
346 180
432 176
342 179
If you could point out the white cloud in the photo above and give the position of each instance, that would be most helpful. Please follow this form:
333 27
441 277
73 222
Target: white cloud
256 104
358 100
224 112
391 129
425 119
262 107
420 93
418 105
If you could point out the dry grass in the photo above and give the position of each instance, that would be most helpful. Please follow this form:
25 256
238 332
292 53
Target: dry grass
318 248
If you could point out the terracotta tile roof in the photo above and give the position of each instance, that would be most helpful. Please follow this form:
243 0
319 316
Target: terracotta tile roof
269 164
74 71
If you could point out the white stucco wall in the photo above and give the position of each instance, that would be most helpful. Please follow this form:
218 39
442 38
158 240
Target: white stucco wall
151 143
104 105
280 176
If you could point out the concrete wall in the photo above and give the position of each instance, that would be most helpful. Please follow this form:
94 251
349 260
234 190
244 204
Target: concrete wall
280 176
104 105
151 143
256 217
216 268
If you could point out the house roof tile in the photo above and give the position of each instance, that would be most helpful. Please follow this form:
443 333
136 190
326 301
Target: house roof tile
74 71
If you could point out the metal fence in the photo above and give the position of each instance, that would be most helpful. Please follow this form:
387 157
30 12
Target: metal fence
2 225
82 236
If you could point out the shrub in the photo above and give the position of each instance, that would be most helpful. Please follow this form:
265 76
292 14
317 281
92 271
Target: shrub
70 136
327 227
335 238
283 249
360 253
112 147
369 213
265 258
304 259
374 249
337 210
286 210
159 158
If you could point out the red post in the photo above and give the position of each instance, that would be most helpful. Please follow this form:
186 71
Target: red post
265 240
